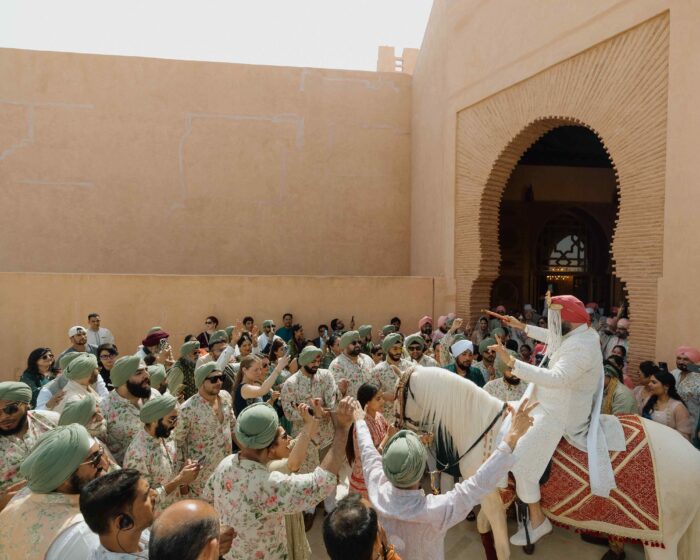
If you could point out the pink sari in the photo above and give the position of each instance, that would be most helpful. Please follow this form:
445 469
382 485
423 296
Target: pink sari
378 428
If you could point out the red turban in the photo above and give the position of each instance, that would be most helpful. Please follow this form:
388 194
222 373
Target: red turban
540 348
693 354
424 321
572 309
593 305
154 338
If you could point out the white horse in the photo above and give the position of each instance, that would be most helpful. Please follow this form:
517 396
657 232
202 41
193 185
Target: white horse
436 397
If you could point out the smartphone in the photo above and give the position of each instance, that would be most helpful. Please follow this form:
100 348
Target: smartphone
663 366
200 462
163 344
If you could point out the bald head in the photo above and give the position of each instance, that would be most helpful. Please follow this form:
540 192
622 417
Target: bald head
187 530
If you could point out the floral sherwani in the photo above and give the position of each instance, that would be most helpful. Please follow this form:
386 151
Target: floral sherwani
356 373
30 523
123 422
13 449
299 388
385 377
255 501
488 376
505 391
428 361
199 435
689 391
156 459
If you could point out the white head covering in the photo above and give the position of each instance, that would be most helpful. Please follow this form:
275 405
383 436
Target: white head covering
460 347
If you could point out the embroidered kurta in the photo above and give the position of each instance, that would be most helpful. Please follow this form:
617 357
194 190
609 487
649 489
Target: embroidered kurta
299 388
385 377
428 361
415 523
505 391
13 449
255 501
356 373
200 435
30 523
156 459
378 428
123 422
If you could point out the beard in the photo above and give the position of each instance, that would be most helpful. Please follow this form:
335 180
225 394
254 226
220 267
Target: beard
463 367
162 431
141 390
512 380
355 351
18 428
682 366
311 370
77 483
565 328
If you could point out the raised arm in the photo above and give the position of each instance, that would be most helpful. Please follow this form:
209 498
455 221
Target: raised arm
249 391
301 445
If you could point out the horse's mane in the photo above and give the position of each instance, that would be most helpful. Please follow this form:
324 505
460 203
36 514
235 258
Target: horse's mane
453 403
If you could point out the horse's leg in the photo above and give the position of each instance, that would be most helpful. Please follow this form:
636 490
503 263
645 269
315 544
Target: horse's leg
492 507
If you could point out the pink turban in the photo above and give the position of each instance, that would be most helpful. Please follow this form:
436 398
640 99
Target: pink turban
693 354
424 321
442 319
572 309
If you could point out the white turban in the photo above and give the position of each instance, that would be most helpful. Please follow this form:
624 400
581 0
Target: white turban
460 347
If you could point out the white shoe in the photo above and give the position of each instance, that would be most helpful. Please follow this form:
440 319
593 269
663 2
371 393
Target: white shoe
536 534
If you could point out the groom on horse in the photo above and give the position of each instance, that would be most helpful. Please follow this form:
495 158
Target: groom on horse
568 384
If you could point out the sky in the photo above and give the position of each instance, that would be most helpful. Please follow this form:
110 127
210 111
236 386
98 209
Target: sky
312 33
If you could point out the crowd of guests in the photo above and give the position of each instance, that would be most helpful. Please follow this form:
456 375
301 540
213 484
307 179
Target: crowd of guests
113 454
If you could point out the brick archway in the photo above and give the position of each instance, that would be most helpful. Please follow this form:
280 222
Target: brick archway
618 89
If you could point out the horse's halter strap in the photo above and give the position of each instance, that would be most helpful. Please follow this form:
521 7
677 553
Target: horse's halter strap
403 389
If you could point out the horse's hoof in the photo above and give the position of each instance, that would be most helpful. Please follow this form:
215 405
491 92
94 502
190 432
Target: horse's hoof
529 549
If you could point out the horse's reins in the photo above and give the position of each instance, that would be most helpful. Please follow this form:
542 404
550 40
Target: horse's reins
404 388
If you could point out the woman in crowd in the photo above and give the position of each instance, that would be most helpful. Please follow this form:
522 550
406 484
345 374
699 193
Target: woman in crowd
287 457
665 405
39 371
106 355
642 392
278 349
481 331
245 346
251 385
211 324
372 402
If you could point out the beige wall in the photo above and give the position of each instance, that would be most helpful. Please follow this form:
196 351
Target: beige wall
38 309
132 165
463 61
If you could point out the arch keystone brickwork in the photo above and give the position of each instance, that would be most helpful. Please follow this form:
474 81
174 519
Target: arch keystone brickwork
618 89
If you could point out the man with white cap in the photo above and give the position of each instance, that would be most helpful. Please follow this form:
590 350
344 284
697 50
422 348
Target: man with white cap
463 353
570 391
132 389
78 342
416 523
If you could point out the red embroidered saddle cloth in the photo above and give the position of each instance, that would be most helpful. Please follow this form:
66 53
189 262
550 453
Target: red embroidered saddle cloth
632 511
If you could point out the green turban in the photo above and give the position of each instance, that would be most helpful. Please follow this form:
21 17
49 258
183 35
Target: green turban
81 367
458 337
188 347
268 323
388 329
218 336
157 374
404 459
257 425
365 330
67 359
499 332
347 338
123 368
78 412
229 333
391 340
202 372
500 365
55 457
415 339
15 391
157 407
484 346
308 355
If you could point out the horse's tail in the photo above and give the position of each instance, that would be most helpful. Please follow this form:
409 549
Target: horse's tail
689 545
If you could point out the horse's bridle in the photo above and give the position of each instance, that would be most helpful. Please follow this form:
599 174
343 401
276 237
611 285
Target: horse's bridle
403 389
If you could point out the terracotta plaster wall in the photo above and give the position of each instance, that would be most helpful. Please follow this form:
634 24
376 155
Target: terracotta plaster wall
131 165
38 309
473 50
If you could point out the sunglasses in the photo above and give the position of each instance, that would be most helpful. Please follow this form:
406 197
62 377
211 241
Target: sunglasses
47 357
215 379
415 348
10 409
107 356
95 459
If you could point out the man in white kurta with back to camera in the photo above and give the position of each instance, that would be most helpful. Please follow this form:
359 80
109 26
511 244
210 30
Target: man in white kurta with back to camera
569 391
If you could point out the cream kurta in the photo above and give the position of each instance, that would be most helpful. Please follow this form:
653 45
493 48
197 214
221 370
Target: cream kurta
74 391
565 392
